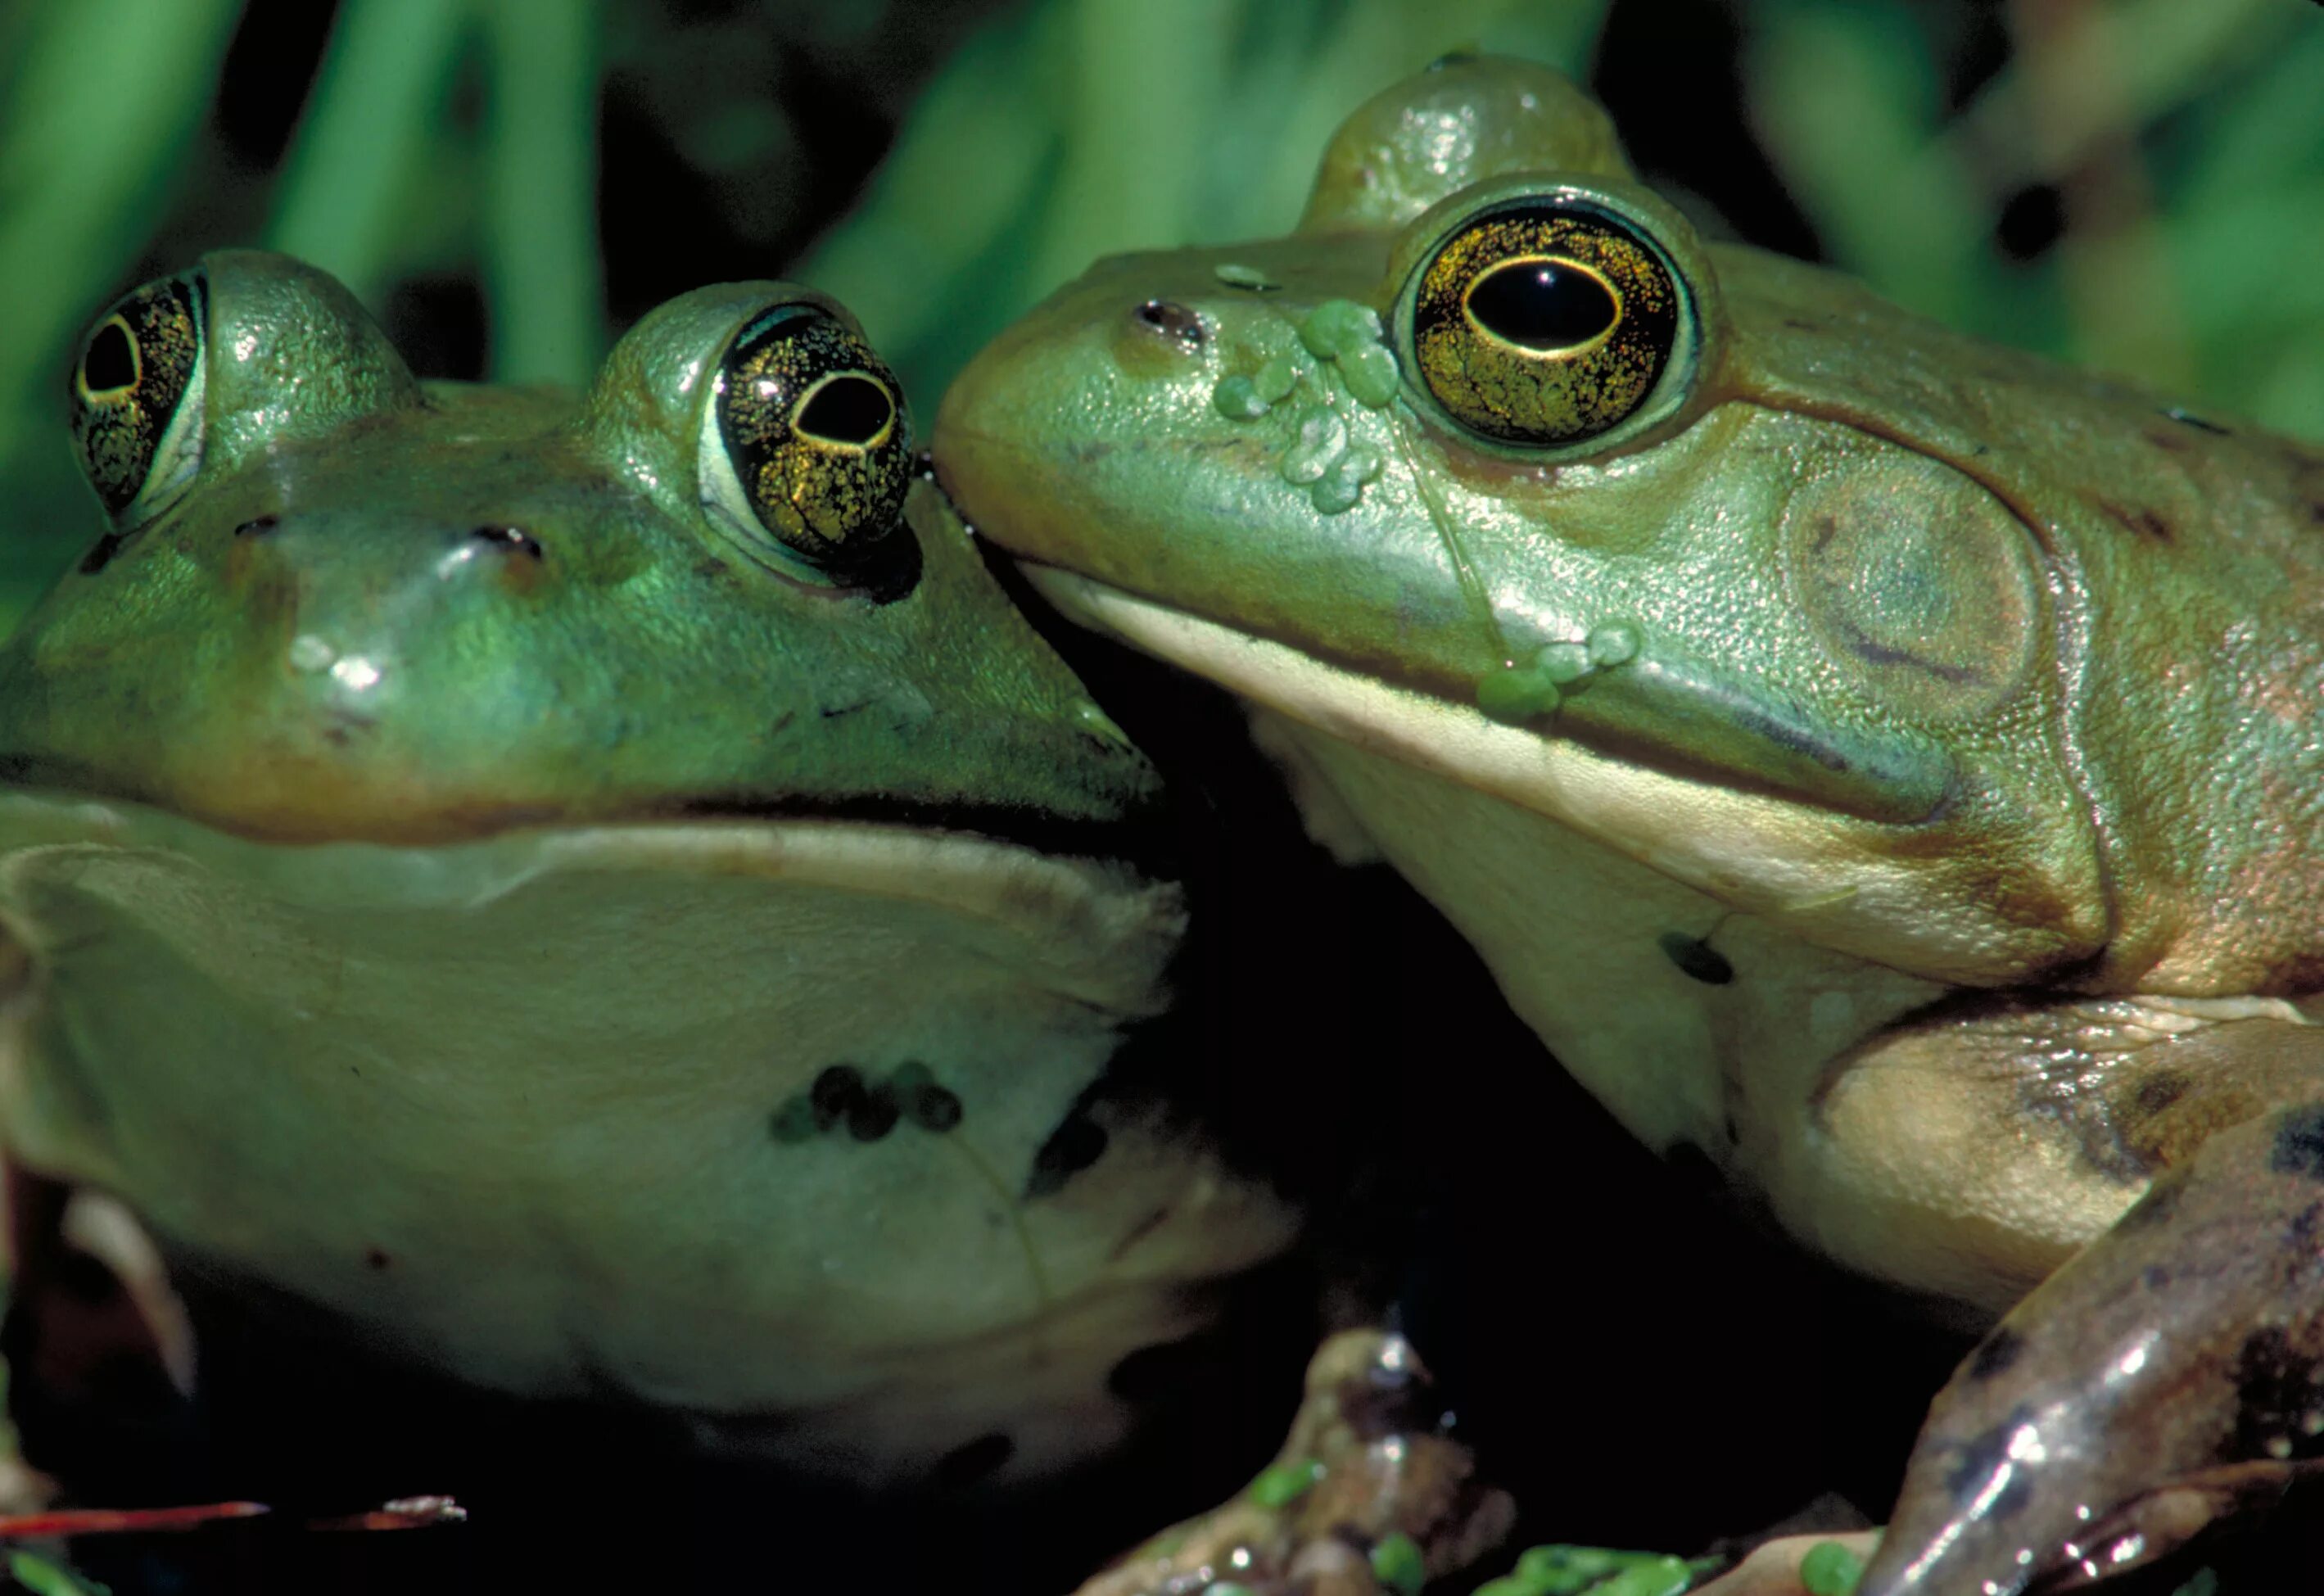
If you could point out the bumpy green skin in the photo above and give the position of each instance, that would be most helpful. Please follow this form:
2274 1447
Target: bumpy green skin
1941 654
468 879
1881 761
368 668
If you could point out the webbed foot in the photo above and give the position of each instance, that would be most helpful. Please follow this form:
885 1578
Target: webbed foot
2169 1375
1367 1493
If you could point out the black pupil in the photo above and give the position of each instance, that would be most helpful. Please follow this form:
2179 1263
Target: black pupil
1542 304
110 362
846 409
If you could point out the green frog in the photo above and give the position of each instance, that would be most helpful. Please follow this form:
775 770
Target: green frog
598 894
1880 762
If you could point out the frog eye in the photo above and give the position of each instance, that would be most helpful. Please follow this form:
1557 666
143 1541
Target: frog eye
137 398
807 452
1544 322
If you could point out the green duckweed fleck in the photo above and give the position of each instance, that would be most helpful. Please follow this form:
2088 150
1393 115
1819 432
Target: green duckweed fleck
1237 399
1274 381
1322 436
45 1578
1515 694
1565 662
1830 1568
1339 326
1281 1484
1371 375
1658 1576
1398 1565
1568 1571
1617 643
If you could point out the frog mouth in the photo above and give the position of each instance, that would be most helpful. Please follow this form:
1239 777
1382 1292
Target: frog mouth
1101 927
1693 825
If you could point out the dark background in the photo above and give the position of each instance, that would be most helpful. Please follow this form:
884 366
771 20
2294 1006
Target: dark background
2136 185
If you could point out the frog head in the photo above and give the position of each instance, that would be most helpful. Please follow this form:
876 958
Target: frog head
1494 468
597 893
335 603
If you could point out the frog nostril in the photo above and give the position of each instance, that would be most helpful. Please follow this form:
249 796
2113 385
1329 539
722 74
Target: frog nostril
513 539
1172 320
258 525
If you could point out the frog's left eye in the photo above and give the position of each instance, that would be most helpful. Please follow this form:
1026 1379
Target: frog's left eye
806 453
137 398
1548 321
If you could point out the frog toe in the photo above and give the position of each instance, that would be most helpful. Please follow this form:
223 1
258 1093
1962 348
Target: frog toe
2170 1375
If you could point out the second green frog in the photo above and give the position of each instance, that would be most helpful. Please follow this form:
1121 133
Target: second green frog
1880 761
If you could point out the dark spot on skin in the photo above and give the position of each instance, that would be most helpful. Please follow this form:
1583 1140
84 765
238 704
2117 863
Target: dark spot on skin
258 525
1734 1131
2143 521
834 1094
874 1115
711 568
2169 443
2187 420
2159 1091
1695 957
976 1463
1995 1353
2277 1396
839 711
1151 1374
2154 1277
1452 58
100 554
1077 1142
1801 325
933 1108
782 723
510 539
1983 1458
2299 1143
377 1259
1172 320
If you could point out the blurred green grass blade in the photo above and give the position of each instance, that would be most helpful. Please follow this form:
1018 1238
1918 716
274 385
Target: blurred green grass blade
1079 128
914 262
1141 81
1264 163
545 302
1847 101
105 98
376 104
2269 130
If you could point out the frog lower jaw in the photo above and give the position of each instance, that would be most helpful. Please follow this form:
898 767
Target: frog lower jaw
530 1110
1099 925
1826 878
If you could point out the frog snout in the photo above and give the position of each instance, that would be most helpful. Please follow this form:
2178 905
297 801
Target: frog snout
455 549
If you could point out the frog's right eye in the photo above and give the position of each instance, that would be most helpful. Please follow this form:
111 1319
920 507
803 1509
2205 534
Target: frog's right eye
806 453
1550 320
137 398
